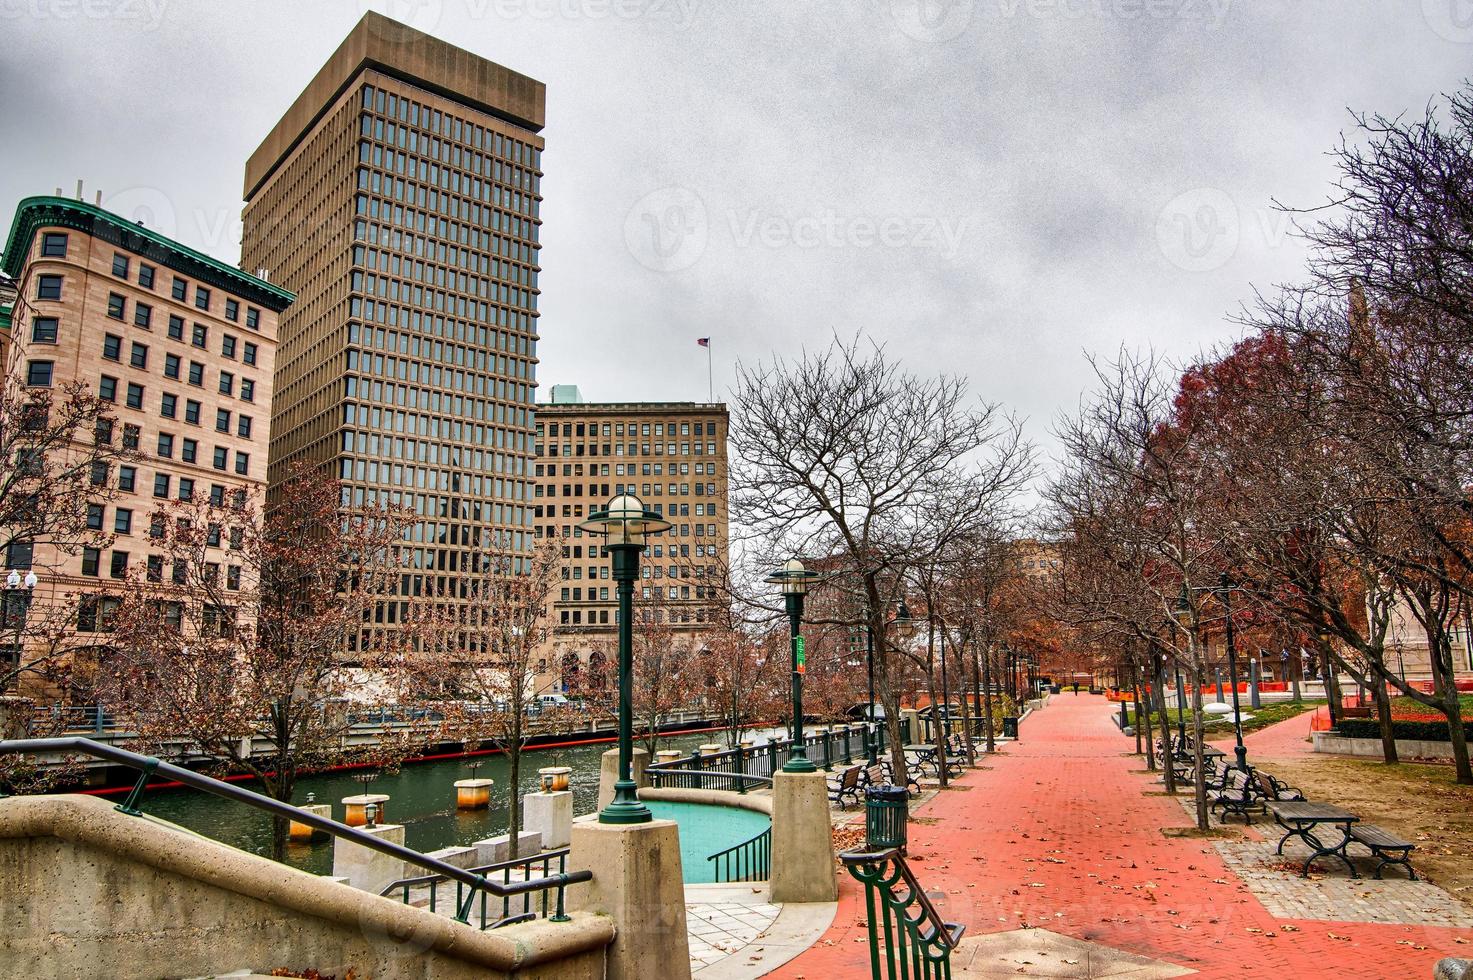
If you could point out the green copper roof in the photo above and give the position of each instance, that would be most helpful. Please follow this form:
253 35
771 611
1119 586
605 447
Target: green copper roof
44 212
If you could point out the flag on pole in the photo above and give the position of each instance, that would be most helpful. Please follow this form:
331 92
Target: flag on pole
704 341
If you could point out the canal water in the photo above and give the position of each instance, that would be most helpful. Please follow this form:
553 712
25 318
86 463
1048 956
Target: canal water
422 798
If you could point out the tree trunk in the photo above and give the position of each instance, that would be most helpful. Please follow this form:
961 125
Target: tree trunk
1383 713
970 748
1143 718
987 699
1170 771
1135 690
514 814
938 710
1199 677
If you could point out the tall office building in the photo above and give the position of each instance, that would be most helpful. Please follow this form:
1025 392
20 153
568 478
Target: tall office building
399 197
182 347
672 455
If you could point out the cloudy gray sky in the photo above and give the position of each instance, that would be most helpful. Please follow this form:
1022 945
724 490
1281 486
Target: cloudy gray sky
992 187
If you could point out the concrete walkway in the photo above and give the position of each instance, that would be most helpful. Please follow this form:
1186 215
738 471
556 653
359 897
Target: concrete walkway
1064 833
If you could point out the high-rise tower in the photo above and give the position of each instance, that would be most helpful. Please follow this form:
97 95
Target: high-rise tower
399 198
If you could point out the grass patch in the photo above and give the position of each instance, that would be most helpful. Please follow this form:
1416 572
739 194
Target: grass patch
1421 803
1211 833
1269 714
1407 706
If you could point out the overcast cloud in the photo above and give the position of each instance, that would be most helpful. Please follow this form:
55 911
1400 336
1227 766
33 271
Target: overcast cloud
993 187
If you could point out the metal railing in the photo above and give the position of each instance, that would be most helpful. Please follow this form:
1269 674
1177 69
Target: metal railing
734 769
751 860
504 869
470 883
917 943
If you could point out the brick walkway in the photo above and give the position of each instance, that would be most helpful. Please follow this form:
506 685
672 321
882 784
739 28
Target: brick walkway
1063 833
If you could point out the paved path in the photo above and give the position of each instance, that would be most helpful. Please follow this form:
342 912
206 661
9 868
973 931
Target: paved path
1063 834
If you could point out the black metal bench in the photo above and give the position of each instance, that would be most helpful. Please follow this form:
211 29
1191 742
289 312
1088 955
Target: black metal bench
881 774
1385 847
845 786
1239 794
1276 789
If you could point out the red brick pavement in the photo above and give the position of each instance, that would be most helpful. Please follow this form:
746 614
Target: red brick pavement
1282 740
1060 834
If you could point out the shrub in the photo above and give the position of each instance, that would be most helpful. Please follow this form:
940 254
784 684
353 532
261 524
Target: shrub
1423 731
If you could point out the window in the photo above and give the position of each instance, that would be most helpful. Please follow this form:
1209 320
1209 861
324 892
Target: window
120 266
196 374
138 356
107 389
166 445
155 568
201 297
200 336
232 309
227 346
127 478
95 613
176 327
142 315
145 275
161 485
249 353
222 420
222 457
119 565
53 245
38 374
181 571
189 451
123 521
191 411
48 287
253 318
232 578
169 406
217 495
90 559
243 426
44 330
227 383
212 535
156 525
94 517
247 390
102 432
135 395
19 554
242 463
112 347
179 290
130 436
116 303
186 488
171 366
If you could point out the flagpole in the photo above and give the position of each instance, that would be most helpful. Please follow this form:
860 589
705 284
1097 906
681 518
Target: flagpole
710 386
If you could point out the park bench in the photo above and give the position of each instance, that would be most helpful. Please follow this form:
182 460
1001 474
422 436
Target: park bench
845 786
1239 794
1276 789
880 774
1385 847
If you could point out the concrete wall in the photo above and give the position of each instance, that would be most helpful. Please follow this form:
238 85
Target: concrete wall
91 892
1406 748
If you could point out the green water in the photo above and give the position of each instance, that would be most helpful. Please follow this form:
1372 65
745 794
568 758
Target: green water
704 830
422 798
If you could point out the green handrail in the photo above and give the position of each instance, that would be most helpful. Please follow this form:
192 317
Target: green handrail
918 943
751 858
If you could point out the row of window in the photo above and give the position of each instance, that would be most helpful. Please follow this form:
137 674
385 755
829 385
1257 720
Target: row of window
630 469
118 568
570 429
44 329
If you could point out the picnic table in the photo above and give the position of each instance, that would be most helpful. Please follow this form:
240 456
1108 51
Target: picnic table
925 758
1302 820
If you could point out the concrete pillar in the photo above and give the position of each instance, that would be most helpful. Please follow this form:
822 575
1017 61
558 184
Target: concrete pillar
913 716
368 869
353 814
668 755
802 839
1255 700
609 773
710 748
550 814
303 832
638 883
473 794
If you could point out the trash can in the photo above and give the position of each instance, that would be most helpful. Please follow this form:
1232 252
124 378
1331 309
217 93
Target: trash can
1009 727
1054 689
885 813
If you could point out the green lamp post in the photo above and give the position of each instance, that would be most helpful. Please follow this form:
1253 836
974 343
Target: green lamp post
794 579
624 524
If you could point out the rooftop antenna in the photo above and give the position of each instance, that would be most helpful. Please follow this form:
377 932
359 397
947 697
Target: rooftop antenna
79 188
